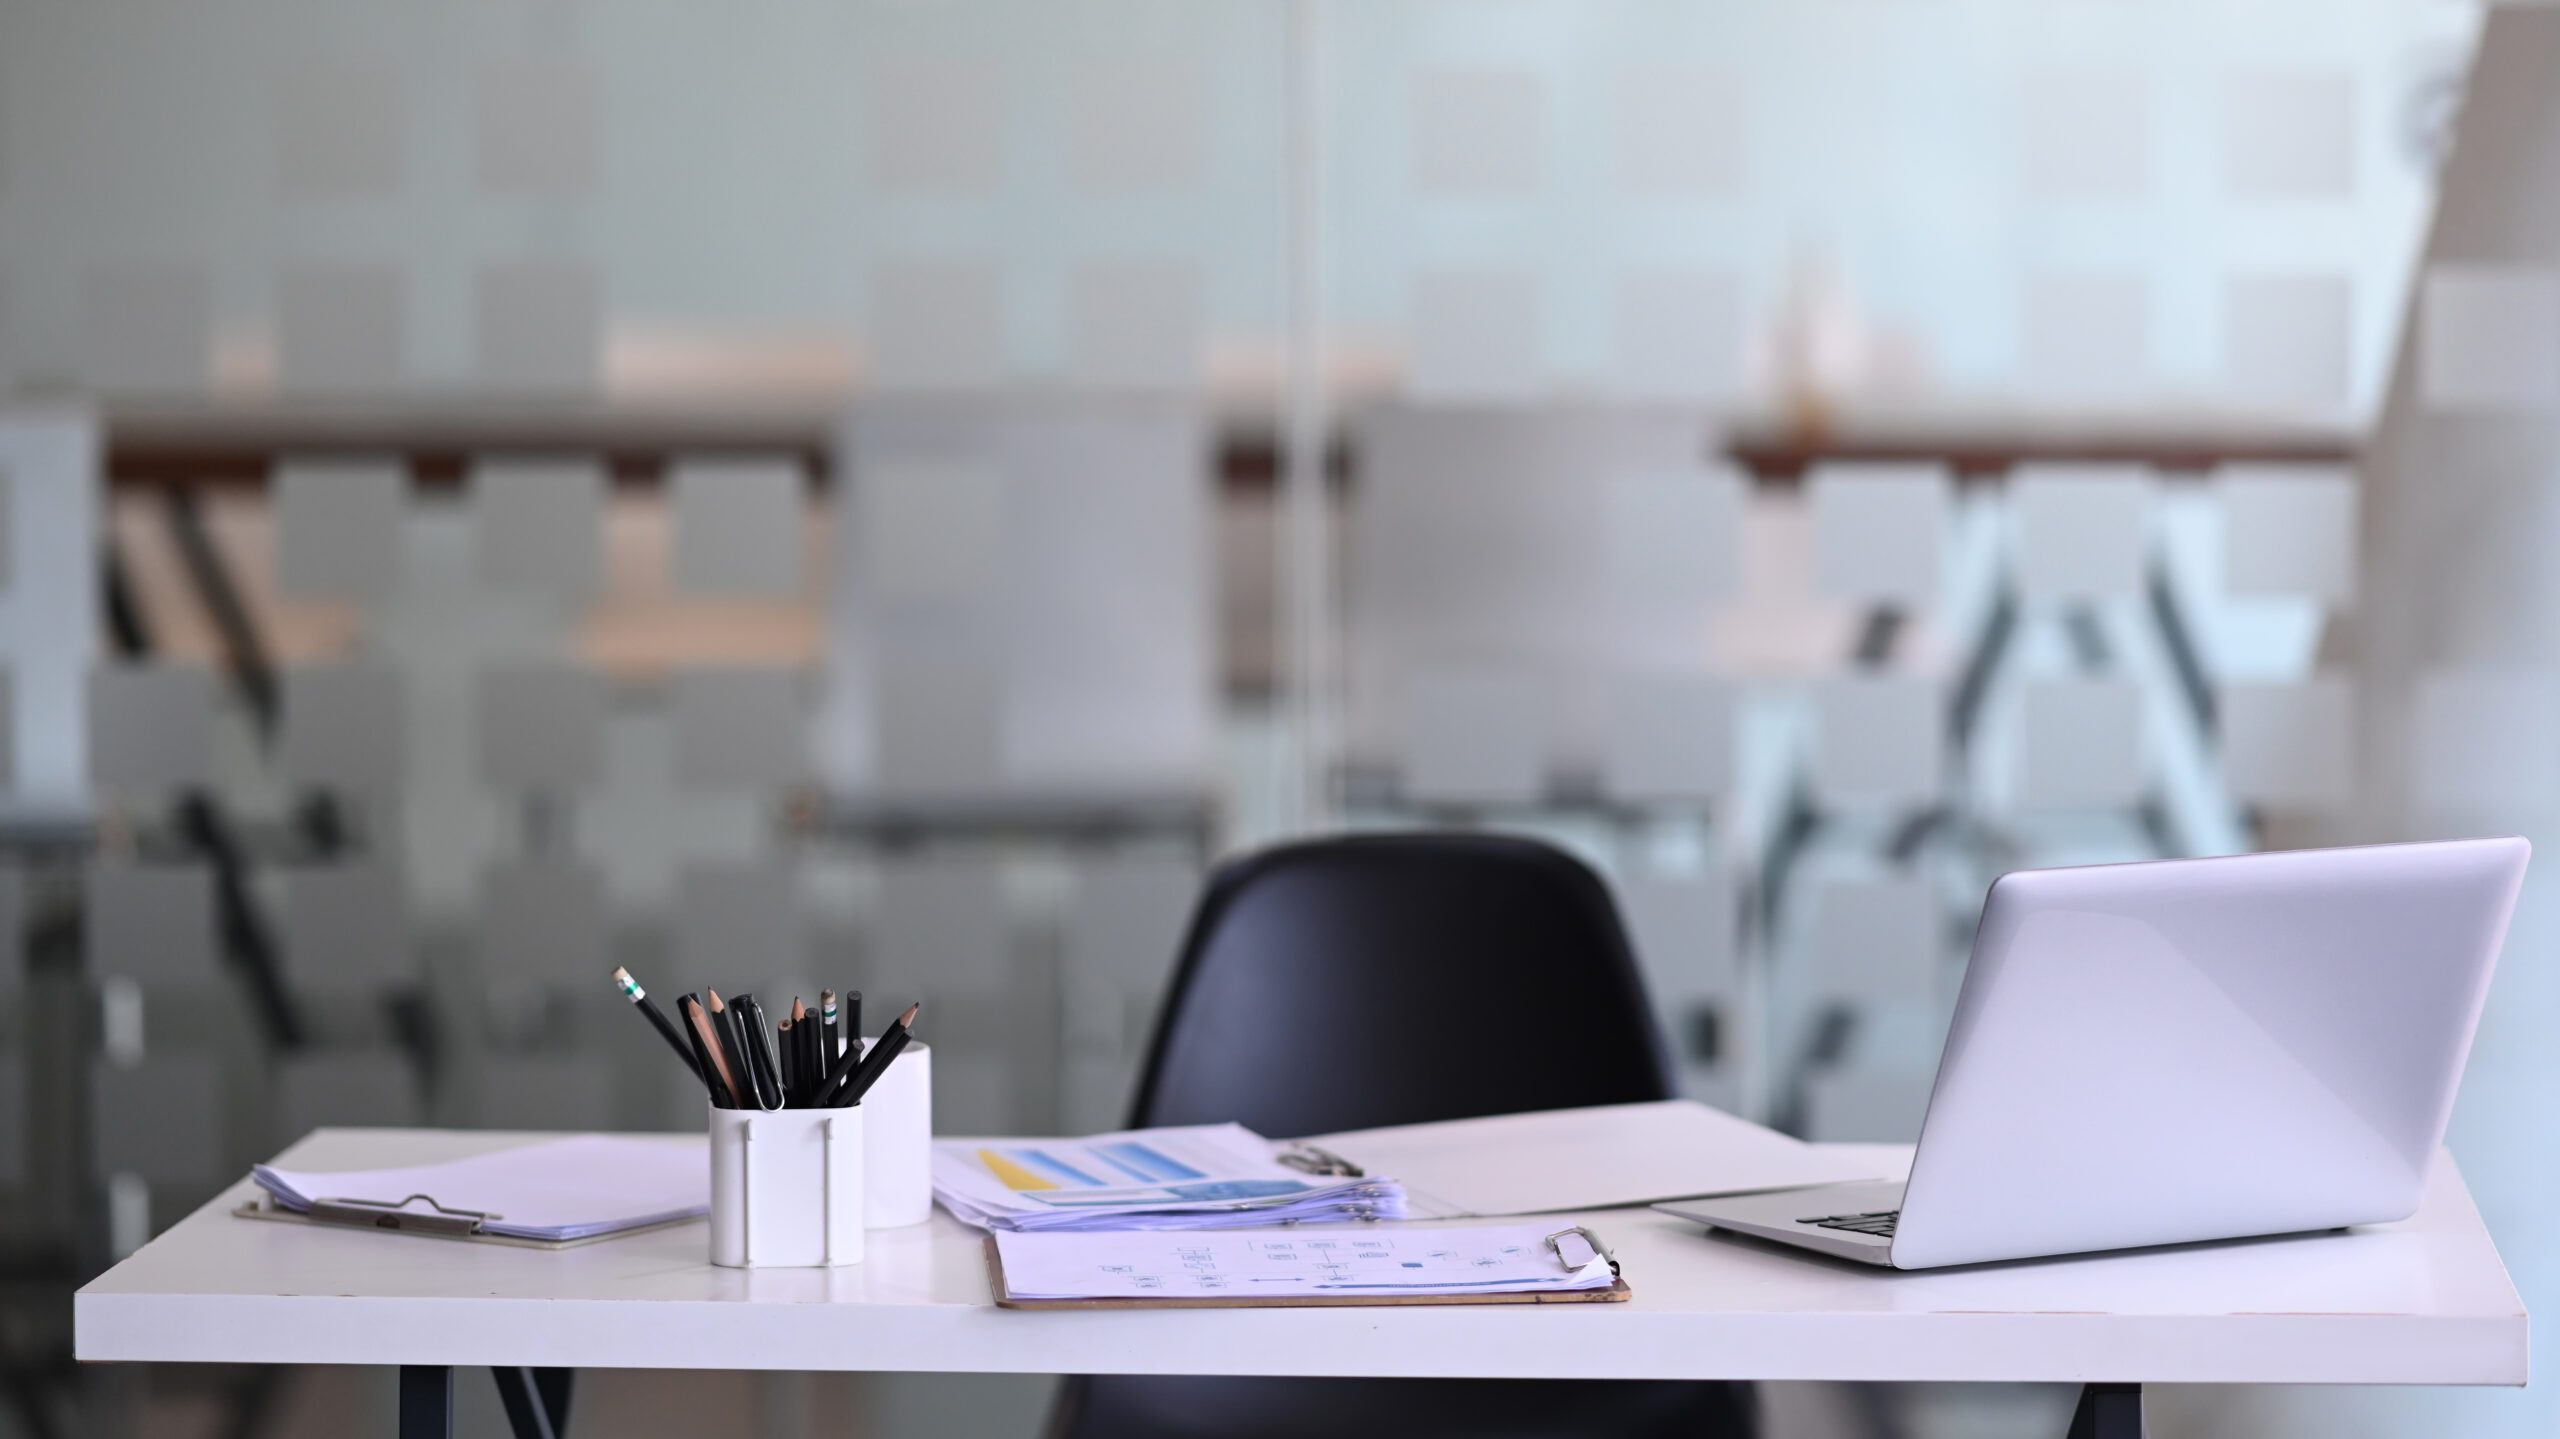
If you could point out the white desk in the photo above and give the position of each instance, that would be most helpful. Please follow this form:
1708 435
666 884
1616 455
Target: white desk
2426 1301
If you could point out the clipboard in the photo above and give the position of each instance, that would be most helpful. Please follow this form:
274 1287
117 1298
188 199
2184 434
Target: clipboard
1616 1293
435 1222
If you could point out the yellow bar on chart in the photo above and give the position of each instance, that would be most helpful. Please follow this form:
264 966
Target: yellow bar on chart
1013 1175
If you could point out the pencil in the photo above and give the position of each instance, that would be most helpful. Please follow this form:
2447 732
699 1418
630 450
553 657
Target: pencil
830 1033
797 1050
760 1052
706 1049
743 1015
841 1069
658 1021
725 1022
817 1055
800 1048
876 1062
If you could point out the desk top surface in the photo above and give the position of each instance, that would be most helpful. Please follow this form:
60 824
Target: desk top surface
2425 1301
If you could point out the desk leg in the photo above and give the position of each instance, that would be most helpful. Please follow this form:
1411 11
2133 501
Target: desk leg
554 1386
2108 1411
426 1401
529 1412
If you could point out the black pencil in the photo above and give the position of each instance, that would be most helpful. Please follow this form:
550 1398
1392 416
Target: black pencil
802 1031
851 1033
742 1014
840 1069
829 1031
877 1059
760 1050
804 1028
875 1062
658 1021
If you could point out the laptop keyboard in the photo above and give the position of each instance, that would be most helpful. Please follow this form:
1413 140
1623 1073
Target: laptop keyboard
1879 1223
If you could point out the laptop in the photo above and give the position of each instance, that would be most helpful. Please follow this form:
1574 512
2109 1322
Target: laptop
2183 1050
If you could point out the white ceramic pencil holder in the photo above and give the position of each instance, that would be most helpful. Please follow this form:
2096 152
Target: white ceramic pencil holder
897 1139
787 1188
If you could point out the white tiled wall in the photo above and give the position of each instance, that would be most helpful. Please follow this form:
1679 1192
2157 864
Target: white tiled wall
1612 197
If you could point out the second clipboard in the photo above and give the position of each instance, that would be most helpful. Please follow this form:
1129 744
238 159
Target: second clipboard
1616 1292
264 1207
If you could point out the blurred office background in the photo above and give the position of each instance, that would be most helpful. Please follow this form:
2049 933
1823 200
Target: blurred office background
882 495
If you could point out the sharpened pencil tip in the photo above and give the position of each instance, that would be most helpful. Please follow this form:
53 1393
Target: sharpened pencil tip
909 1018
713 998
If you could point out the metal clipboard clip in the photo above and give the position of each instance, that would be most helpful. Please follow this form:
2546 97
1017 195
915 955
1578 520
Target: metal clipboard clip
382 1214
1577 1247
1311 1159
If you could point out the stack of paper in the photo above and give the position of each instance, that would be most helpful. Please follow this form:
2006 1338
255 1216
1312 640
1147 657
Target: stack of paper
558 1189
1555 1160
1384 1261
1209 1176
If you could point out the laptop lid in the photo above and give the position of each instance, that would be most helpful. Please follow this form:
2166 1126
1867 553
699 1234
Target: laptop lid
2201 1049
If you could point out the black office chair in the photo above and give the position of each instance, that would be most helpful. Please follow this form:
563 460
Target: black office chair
1393 979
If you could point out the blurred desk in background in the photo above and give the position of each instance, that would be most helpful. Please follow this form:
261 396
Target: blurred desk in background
1985 442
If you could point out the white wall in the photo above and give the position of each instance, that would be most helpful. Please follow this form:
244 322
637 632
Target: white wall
1926 154
716 192
2455 652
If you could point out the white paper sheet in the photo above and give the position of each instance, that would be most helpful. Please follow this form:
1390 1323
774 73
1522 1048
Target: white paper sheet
1595 1158
572 1188
1281 1263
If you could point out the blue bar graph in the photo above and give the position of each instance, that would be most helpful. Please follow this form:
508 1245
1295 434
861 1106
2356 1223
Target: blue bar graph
1124 1166
1056 1169
1148 1159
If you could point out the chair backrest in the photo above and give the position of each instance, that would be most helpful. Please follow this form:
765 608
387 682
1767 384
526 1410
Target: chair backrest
1393 979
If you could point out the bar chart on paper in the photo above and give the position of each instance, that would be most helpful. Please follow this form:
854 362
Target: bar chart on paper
1113 1171
1104 1166
1180 1177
